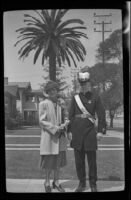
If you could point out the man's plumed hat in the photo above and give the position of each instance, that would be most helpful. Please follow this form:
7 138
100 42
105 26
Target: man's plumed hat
51 85
83 76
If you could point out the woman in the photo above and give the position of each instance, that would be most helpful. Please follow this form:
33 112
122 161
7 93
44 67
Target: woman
53 141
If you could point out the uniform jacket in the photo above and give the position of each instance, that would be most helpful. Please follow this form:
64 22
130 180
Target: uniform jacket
83 130
49 120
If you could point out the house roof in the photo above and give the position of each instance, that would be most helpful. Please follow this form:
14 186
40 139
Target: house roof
11 89
21 84
38 92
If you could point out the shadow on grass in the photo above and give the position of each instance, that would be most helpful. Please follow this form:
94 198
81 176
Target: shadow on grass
114 178
119 129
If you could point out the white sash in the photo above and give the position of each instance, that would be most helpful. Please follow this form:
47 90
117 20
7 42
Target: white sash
83 109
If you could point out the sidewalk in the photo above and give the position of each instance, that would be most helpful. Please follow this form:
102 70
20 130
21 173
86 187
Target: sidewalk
36 185
114 133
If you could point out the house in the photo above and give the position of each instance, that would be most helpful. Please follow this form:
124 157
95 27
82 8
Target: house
10 94
20 96
31 106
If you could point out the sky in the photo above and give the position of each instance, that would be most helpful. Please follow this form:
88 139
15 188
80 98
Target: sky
25 71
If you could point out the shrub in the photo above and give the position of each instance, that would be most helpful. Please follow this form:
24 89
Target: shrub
11 123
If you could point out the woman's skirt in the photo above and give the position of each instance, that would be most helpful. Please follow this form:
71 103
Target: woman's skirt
53 161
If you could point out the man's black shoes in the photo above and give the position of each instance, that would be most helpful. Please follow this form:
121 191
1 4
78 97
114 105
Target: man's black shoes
93 189
81 187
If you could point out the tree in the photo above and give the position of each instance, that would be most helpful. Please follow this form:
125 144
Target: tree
49 35
113 77
113 98
112 47
100 75
60 79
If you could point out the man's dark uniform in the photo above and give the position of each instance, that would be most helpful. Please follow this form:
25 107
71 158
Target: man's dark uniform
84 140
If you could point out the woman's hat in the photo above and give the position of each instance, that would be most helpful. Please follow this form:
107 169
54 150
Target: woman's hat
51 85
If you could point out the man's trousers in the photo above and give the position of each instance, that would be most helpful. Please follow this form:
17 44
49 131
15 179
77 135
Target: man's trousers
80 166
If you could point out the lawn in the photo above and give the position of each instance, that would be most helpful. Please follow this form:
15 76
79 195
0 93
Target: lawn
25 164
36 140
24 131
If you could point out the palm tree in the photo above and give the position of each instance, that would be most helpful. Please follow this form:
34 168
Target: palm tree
51 37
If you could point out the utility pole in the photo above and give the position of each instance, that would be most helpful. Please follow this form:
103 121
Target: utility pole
103 31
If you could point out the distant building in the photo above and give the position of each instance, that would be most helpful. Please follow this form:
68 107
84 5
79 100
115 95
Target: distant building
20 96
10 96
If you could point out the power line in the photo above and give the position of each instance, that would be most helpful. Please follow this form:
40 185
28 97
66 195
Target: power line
103 31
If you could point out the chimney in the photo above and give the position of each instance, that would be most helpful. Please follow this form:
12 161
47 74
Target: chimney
5 80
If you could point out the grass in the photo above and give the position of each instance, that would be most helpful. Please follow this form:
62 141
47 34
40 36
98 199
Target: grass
34 140
25 164
35 131
22 140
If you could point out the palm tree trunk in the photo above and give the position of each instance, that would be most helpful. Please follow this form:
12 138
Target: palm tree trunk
52 65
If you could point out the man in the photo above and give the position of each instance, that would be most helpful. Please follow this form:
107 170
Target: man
82 131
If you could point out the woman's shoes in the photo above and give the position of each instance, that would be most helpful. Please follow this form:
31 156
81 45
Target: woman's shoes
47 188
58 187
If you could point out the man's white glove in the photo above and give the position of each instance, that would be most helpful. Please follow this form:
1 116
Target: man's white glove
99 135
65 124
69 136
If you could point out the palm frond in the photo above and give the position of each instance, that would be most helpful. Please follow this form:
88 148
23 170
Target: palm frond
41 16
35 19
73 43
63 12
69 31
61 51
76 50
80 46
68 51
25 51
26 35
37 53
59 16
26 44
33 30
46 17
68 22
43 27
22 40
66 57
43 57
53 13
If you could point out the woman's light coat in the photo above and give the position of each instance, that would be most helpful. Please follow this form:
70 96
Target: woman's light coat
49 120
